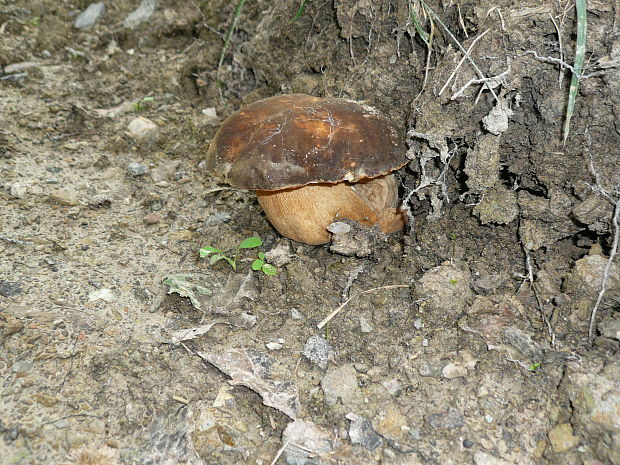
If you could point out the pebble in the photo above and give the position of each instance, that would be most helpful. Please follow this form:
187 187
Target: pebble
89 16
102 294
18 190
449 419
275 345
143 129
64 197
340 384
452 370
152 218
317 350
137 169
140 14
365 326
10 288
21 366
210 116
361 432
468 443
393 386
417 323
482 458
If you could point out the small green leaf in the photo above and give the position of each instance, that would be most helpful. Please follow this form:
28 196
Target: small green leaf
534 366
207 249
261 255
250 243
257 264
269 270
215 258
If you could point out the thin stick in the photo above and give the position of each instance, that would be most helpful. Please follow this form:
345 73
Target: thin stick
612 255
344 304
561 51
462 61
461 48
282 449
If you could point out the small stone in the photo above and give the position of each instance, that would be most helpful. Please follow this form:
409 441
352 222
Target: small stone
340 384
317 350
22 366
424 342
483 458
140 14
452 370
64 197
89 16
10 288
450 419
296 314
468 443
18 190
137 169
361 432
280 255
102 294
210 116
152 218
392 386
275 345
561 438
143 129
417 323
365 326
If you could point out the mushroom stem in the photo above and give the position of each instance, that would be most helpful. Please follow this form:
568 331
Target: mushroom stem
304 213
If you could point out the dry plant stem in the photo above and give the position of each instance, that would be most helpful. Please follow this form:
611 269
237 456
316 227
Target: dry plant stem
598 188
279 453
560 51
458 44
344 304
541 308
462 61
612 255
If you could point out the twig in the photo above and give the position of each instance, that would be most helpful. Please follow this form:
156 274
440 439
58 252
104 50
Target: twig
344 304
541 308
458 44
560 52
462 61
282 449
598 188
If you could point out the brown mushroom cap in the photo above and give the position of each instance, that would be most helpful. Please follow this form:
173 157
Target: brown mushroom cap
295 139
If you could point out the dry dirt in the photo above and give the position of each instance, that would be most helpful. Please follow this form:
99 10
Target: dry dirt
471 345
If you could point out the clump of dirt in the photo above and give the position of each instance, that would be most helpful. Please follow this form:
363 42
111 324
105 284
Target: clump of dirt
462 340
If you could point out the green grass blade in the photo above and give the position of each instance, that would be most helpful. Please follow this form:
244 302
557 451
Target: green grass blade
418 26
580 53
230 32
300 11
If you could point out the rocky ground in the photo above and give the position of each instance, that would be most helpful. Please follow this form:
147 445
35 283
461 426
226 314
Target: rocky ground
463 339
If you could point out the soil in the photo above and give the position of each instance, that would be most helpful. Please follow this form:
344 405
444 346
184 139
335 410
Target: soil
463 339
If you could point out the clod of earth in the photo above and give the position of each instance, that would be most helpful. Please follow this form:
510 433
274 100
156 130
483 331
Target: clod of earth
312 160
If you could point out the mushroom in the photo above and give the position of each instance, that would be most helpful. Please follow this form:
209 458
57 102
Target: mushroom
311 161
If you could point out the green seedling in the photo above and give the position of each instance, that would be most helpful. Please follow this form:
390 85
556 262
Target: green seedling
259 264
139 105
534 366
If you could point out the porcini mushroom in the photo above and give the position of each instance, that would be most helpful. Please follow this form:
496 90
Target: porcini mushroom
311 161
